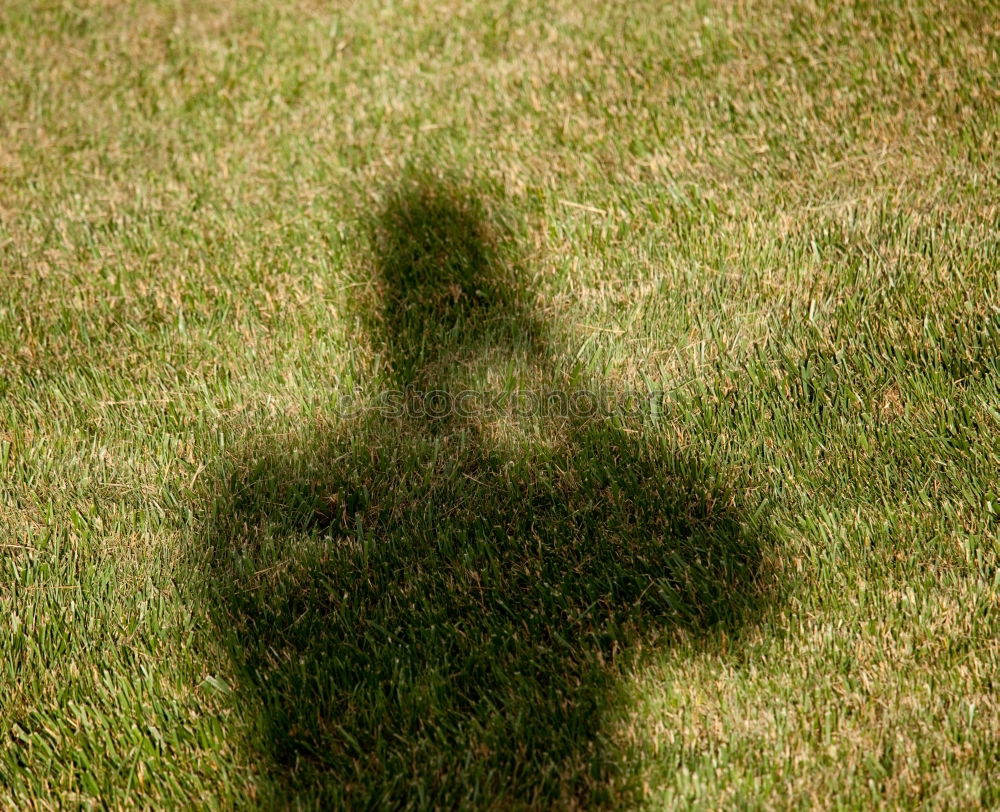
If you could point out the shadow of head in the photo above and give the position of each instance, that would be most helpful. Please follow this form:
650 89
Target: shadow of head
428 618
448 276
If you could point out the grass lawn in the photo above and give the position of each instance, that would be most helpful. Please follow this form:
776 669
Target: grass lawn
238 569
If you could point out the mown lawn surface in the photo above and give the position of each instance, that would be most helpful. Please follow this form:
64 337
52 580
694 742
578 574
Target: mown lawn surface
229 232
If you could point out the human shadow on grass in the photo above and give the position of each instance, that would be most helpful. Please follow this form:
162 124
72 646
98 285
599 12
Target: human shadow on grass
432 611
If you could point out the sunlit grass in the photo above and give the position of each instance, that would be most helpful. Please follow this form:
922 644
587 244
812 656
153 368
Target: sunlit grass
781 216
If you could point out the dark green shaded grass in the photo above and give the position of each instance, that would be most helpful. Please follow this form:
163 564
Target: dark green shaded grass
428 622
429 614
